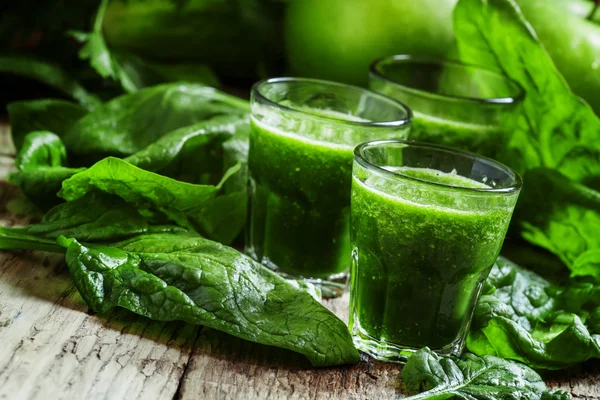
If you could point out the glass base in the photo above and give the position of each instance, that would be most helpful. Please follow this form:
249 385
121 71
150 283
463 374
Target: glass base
383 350
332 286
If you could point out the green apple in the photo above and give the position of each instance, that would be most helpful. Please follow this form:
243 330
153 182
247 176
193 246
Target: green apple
572 41
338 39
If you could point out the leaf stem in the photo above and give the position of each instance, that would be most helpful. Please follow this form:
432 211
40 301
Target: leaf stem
592 13
19 239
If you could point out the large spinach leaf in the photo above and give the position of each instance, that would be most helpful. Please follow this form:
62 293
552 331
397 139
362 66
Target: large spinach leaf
526 318
156 196
131 122
57 116
185 277
473 378
554 130
170 276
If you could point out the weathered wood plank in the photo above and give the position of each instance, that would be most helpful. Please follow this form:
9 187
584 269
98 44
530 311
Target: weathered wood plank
6 144
51 345
53 349
582 381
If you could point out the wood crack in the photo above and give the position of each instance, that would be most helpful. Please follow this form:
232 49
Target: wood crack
184 376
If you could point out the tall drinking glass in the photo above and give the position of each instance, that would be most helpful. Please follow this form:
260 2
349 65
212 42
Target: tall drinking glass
427 225
453 104
303 132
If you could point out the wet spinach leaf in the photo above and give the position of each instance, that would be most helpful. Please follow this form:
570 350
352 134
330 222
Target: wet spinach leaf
156 196
473 378
185 277
131 122
524 317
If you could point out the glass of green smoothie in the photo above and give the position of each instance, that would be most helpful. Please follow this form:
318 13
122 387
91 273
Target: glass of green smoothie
427 224
303 132
453 104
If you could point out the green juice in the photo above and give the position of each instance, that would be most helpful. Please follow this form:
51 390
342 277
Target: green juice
482 139
418 268
300 198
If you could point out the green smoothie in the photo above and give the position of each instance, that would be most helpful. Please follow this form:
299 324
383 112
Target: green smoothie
420 257
482 139
300 197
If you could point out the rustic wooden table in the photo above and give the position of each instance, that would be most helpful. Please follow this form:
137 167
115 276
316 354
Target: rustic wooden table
52 347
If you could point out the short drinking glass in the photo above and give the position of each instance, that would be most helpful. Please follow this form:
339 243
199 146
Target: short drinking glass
427 224
303 133
453 104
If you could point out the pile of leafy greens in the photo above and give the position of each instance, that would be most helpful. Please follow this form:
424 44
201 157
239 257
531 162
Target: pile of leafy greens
135 190
473 378
172 150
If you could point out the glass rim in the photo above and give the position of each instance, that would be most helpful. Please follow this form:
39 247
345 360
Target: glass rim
255 90
360 158
407 58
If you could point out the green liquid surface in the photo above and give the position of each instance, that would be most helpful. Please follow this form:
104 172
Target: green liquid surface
472 137
300 198
418 267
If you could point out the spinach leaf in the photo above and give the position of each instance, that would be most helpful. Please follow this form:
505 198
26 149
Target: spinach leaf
40 185
526 318
235 150
193 153
555 129
19 239
50 74
564 217
185 277
156 196
131 122
41 170
94 217
473 378
96 51
57 116
41 149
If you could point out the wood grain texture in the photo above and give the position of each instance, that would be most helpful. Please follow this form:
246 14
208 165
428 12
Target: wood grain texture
52 348
6 144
